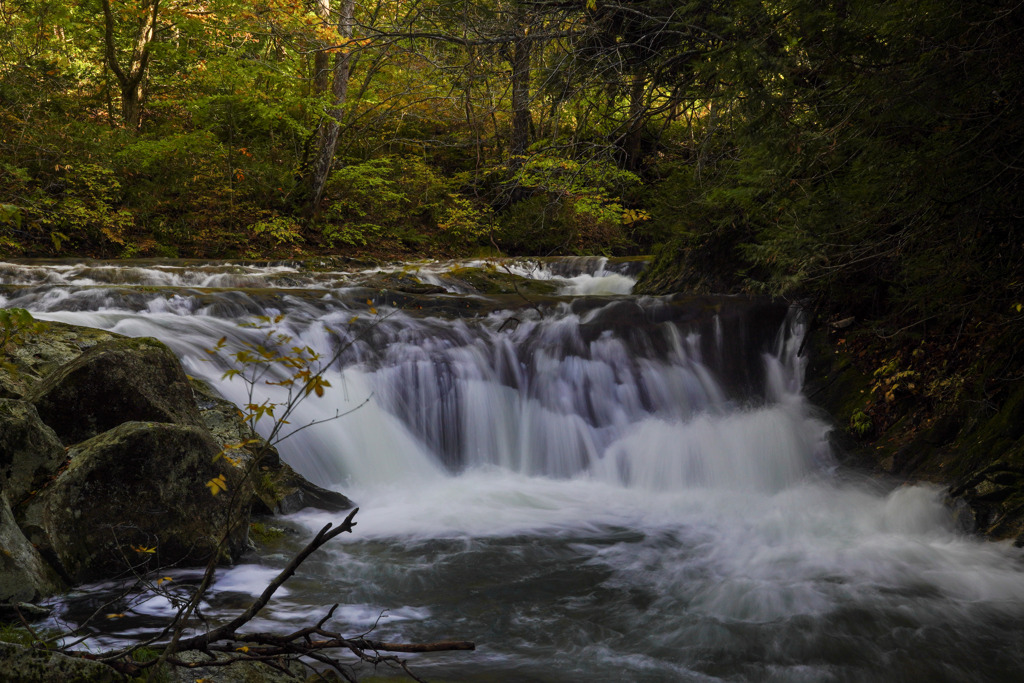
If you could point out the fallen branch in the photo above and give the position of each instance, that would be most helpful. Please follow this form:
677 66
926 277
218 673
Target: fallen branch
441 646
227 631
310 642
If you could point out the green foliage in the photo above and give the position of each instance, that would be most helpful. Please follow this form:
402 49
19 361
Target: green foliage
861 423
81 208
569 207
10 226
861 153
10 215
462 221
851 154
18 635
17 325
593 188
279 230
264 533
363 198
389 197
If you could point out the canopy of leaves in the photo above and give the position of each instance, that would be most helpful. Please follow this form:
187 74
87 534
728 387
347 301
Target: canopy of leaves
868 154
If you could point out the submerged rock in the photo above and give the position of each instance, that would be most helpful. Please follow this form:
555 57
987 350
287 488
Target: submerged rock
491 280
400 282
122 380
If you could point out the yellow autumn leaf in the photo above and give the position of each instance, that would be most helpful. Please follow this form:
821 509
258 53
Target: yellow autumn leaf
244 648
217 484
143 549
115 616
164 580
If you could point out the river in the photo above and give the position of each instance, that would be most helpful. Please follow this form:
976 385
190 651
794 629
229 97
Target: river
591 486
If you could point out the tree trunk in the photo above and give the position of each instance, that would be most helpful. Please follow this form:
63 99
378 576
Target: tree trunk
331 126
131 79
321 59
521 92
632 145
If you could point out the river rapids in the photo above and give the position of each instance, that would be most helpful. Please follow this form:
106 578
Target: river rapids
591 486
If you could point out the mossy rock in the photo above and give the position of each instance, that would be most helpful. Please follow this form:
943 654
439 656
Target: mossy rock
277 488
40 353
491 281
117 381
239 672
30 452
137 497
31 665
282 490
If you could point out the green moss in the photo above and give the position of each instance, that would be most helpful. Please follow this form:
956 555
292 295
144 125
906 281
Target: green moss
264 534
492 281
1006 427
19 635
837 384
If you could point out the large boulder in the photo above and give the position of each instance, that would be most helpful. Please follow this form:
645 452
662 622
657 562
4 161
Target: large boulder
41 352
30 452
24 575
121 380
139 495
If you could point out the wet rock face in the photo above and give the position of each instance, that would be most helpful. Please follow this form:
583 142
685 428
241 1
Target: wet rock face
24 575
30 452
134 496
974 445
114 382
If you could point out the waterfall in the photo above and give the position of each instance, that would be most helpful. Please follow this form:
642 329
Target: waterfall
615 390
594 488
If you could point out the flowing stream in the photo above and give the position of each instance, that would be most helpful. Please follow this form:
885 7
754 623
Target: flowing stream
591 486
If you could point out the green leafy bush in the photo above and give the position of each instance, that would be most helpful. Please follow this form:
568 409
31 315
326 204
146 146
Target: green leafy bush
83 208
400 198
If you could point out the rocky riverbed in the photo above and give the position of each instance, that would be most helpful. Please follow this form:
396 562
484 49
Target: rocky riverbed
107 449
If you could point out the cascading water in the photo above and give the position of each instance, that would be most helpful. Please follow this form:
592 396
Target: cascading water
596 489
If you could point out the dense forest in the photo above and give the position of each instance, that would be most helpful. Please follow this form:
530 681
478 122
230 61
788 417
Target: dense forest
862 159
868 155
